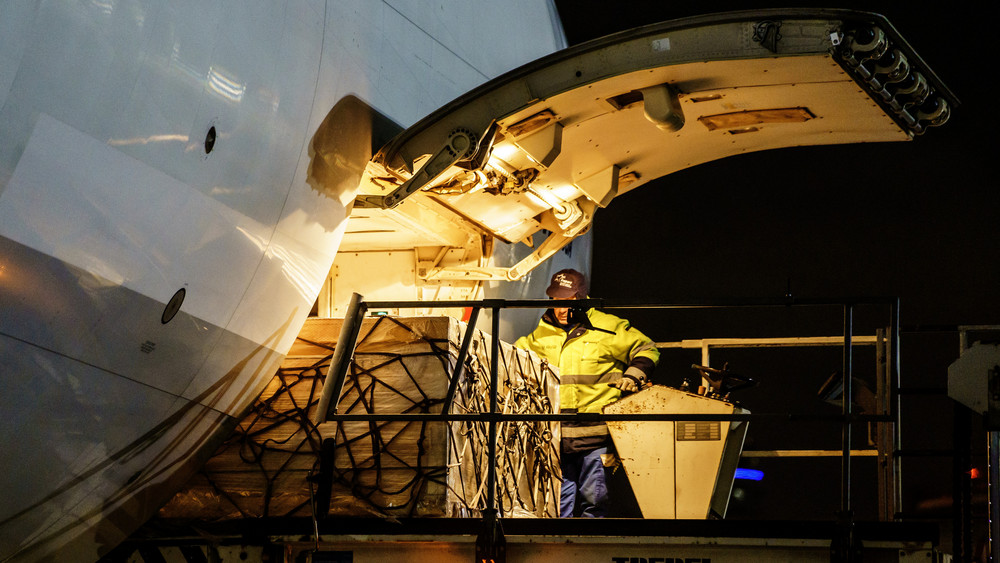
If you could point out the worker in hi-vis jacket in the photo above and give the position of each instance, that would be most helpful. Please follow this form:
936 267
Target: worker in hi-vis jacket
599 356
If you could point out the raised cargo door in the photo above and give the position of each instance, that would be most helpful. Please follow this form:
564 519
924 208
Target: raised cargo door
531 156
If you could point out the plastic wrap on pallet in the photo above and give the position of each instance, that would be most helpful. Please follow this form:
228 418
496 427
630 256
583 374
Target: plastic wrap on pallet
390 468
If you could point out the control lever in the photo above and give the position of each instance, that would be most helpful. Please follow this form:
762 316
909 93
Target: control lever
724 381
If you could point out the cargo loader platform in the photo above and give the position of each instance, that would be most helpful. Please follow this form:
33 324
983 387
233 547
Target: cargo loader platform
261 497
525 540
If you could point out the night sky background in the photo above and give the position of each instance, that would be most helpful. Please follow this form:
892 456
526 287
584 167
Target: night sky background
915 220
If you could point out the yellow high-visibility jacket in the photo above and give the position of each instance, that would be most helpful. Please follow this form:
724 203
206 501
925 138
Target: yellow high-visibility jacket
589 361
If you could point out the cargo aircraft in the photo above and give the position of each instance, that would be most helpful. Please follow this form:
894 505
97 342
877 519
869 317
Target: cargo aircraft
183 183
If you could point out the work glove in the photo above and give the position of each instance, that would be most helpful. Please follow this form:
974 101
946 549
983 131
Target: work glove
627 384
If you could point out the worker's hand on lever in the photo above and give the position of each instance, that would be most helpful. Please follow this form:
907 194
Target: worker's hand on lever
628 384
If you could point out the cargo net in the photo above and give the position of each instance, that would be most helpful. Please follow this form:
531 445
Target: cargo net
387 468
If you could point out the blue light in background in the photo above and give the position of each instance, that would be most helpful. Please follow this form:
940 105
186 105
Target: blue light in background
749 474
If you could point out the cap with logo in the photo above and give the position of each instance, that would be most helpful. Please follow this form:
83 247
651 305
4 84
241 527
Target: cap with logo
567 284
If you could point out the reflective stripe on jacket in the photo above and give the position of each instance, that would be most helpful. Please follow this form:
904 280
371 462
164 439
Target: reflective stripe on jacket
589 361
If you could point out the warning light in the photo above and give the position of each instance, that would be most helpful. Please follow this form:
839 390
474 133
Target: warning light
749 474
972 473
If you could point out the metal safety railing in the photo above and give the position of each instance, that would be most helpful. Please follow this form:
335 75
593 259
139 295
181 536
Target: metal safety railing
491 540
882 440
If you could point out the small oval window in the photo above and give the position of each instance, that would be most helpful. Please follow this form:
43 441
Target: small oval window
210 139
173 306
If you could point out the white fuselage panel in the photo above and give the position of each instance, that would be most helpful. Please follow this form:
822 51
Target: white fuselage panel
111 202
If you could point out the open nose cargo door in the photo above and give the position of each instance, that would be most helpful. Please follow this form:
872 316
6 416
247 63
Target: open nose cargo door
529 157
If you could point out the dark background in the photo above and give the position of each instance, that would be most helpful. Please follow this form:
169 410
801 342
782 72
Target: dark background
915 220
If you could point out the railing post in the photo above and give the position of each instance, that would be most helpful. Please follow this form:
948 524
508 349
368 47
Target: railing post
847 403
845 547
884 430
895 406
491 544
456 376
333 384
491 476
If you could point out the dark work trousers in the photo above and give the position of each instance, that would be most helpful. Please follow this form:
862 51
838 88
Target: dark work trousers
584 485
